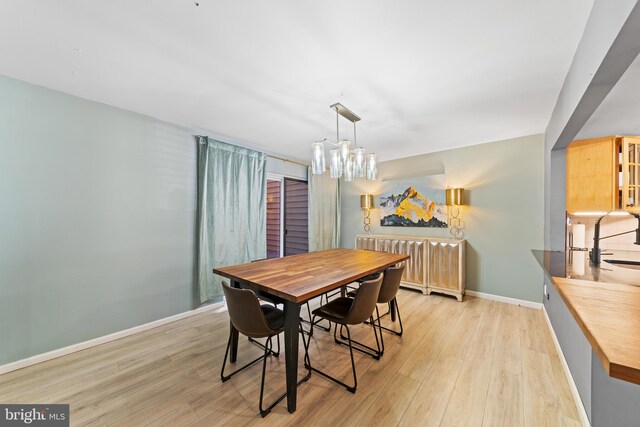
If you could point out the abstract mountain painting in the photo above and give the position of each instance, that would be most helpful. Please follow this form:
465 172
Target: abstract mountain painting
418 202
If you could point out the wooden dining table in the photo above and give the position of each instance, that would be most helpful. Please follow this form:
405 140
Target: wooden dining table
294 280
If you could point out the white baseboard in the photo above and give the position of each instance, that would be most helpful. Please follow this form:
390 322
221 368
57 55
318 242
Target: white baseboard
39 358
514 301
567 374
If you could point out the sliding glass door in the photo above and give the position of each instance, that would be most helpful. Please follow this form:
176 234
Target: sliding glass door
274 230
296 208
287 216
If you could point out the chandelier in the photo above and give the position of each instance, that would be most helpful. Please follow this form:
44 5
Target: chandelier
345 161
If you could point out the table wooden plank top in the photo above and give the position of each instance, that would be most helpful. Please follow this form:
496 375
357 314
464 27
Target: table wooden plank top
299 278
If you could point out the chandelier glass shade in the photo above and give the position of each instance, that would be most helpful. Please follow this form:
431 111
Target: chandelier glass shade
359 166
348 169
345 150
345 161
335 163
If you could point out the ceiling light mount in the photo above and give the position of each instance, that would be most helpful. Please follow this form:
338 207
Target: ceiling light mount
345 112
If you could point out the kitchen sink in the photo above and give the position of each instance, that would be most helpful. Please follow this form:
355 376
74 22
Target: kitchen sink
633 265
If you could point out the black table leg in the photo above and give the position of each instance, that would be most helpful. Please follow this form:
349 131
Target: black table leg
392 309
234 334
291 322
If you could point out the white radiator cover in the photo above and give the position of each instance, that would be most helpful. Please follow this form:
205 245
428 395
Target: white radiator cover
434 264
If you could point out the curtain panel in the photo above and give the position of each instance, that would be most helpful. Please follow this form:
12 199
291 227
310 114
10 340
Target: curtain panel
324 212
231 210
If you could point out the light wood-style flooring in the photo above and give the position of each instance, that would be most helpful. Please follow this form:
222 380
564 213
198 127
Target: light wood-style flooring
475 363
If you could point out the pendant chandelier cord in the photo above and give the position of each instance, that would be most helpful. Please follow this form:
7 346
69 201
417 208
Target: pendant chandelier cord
355 141
337 125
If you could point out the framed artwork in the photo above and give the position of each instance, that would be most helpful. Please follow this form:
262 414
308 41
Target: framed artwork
414 202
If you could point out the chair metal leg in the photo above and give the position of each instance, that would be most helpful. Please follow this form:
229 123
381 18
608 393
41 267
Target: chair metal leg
396 313
267 349
376 353
313 322
352 389
353 364
383 315
380 329
392 305
264 412
324 328
224 377
307 360
399 318
302 319
262 346
316 323
224 361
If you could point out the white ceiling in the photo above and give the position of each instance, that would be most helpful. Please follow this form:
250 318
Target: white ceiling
424 75
619 113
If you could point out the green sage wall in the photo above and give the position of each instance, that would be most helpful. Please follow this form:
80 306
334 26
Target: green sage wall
97 219
504 215
97 214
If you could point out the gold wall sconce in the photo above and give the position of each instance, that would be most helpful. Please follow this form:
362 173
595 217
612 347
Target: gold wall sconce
366 203
454 199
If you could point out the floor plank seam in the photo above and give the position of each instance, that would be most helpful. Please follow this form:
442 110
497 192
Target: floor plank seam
476 326
459 314
493 358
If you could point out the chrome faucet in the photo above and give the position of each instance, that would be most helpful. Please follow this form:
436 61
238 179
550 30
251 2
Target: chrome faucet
595 252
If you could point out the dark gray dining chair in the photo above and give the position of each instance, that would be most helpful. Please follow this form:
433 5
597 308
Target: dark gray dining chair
388 295
250 318
345 311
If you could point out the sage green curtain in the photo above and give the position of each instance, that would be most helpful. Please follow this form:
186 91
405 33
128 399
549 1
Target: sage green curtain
232 217
324 212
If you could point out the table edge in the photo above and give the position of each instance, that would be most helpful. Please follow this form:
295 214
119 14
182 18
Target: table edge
315 293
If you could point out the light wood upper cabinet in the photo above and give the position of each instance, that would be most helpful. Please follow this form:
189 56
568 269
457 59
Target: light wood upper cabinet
602 174
592 166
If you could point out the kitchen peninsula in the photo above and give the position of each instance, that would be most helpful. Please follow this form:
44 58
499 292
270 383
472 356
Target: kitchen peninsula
595 316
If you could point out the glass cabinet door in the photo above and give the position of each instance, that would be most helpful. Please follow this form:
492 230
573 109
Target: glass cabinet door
631 173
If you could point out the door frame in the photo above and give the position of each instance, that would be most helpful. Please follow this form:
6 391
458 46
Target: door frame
271 176
283 207
278 177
